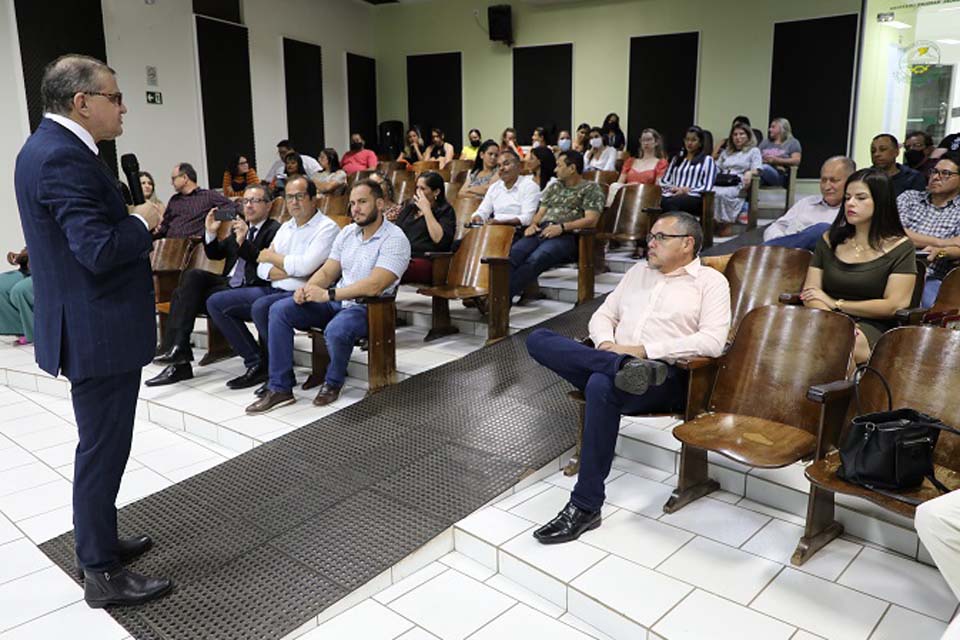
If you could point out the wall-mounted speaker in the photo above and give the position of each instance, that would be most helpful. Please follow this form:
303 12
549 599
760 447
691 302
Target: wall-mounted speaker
500 19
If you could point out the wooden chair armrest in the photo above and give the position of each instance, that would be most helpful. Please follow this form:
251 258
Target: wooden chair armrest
913 315
834 400
696 362
655 210
790 298
368 300
936 317
830 392
587 231
495 260
702 374
436 255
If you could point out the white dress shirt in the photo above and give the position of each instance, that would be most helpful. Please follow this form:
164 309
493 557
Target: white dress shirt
679 314
305 248
310 165
806 212
519 201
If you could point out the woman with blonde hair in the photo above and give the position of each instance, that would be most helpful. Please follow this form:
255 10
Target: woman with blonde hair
780 152
739 160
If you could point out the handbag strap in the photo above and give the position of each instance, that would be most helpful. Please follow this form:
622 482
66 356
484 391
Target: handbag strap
858 376
942 488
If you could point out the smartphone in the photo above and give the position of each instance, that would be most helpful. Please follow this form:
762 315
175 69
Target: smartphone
225 213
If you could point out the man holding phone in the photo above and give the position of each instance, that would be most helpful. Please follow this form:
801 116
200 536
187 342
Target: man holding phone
188 207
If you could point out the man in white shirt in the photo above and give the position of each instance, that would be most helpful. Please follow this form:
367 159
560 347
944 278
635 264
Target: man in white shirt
805 222
310 165
667 308
299 248
513 199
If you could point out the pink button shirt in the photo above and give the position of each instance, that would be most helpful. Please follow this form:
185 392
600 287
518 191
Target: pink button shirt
354 161
680 314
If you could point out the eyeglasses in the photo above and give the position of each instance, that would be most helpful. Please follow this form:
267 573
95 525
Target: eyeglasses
251 200
115 98
943 174
296 197
174 178
660 237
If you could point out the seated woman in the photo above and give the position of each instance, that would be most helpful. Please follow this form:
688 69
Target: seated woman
612 133
429 223
864 266
581 142
472 147
16 299
238 176
292 167
484 172
440 149
538 138
650 163
600 157
149 187
564 143
737 120
544 166
331 177
780 152
391 208
689 174
508 140
737 164
415 149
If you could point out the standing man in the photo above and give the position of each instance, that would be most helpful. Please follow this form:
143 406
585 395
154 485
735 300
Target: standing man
85 246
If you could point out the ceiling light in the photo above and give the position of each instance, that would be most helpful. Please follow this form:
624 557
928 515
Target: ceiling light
948 41
896 24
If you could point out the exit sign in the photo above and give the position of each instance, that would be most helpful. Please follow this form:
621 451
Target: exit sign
154 97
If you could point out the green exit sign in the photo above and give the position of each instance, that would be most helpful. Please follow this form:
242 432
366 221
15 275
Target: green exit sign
154 97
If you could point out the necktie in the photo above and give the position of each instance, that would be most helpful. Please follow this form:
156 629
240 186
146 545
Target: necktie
237 280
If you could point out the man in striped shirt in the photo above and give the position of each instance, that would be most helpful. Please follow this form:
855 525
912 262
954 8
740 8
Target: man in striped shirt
189 206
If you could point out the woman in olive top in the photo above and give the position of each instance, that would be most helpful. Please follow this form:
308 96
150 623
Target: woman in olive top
430 224
864 266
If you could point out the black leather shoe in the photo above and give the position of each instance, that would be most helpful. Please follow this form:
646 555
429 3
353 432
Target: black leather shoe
171 374
270 401
176 355
326 395
121 588
127 550
569 525
254 376
636 376
261 390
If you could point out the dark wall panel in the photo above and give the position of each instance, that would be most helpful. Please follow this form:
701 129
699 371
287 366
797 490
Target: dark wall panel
303 74
542 90
362 97
228 10
78 28
816 103
227 104
435 95
663 87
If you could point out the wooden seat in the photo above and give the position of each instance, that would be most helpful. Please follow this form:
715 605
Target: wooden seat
947 302
341 221
389 167
754 196
335 205
452 190
460 166
480 267
602 177
277 207
758 274
777 355
922 365
706 217
167 261
465 207
404 186
425 165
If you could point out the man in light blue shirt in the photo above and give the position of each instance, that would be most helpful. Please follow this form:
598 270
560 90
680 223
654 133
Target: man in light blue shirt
368 258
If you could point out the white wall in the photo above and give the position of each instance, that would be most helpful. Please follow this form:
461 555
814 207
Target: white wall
14 127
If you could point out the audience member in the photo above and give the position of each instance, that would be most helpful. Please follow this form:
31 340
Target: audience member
600 157
440 149
391 208
292 168
938 522
415 149
513 199
808 219
864 266
564 142
285 148
367 259
949 143
756 134
581 142
299 247
689 175
484 172
469 151
359 158
570 204
188 207
612 133
508 140
884 150
331 176
917 149
780 152
650 163
538 138
238 176
666 308
932 220
249 234
16 299
739 161
149 187
430 224
543 164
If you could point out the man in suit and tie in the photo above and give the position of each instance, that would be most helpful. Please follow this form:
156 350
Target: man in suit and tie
240 248
94 305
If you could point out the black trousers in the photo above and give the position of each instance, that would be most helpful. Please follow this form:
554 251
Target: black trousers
189 299
691 204
105 408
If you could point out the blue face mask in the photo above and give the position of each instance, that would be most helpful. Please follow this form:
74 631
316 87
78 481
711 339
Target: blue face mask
564 144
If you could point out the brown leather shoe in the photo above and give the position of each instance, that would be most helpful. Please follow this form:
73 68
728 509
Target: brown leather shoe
326 395
271 400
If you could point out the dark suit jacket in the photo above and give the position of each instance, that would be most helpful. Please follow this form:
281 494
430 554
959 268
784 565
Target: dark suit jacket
93 289
228 250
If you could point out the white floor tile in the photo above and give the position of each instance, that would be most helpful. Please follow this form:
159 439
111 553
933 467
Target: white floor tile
580 625
467 566
19 601
145 441
410 583
62 433
139 484
14 457
369 620
905 582
58 455
475 548
32 502
36 420
468 605
19 558
778 540
523 622
638 495
518 592
8 531
26 477
181 474
48 525
825 608
746 503
717 520
703 615
417 634
77 622
720 569
562 561
493 525
640 469
637 538
12 419
523 495
182 454
544 506
604 619
898 623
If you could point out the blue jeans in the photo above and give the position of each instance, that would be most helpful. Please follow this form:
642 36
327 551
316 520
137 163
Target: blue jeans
770 177
930 290
342 326
532 255
592 371
806 239
231 309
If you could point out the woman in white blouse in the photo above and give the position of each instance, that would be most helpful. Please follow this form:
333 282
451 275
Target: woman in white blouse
738 162
600 157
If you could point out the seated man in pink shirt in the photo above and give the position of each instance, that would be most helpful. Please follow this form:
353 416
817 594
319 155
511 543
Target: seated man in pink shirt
358 158
667 308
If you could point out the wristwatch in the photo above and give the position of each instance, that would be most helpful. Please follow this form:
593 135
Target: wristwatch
332 293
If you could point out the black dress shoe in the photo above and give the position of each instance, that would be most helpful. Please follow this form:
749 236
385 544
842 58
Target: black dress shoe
261 390
121 588
636 375
253 377
127 549
171 374
176 355
326 395
270 401
569 525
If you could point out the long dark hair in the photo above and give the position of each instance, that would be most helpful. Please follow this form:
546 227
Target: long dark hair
293 154
607 127
478 161
548 164
435 181
333 158
885 222
701 136
234 163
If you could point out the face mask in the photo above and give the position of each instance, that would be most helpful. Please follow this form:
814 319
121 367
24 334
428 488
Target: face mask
474 143
564 144
356 146
535 144
596 143
913 157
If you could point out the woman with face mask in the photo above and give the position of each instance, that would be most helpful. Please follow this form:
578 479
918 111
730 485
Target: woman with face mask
612 132
600 157
470 149
564 143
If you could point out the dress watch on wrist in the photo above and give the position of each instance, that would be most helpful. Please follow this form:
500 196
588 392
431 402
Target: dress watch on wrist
332 293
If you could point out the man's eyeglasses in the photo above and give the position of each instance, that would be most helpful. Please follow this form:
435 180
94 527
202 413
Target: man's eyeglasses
174 178
943 174
115 98
660 237
251 200
296 197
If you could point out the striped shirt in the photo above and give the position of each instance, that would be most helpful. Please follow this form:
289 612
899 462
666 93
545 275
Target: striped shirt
698 177
388 249
186 212
918 214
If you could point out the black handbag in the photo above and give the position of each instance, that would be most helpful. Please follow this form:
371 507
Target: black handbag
890 450
726 180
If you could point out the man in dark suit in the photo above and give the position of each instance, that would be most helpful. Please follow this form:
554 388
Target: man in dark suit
93 303
248 236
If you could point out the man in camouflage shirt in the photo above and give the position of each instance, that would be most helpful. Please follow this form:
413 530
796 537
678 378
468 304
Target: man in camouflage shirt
572 203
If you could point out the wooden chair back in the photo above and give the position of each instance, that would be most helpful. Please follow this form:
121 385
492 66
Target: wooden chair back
335 205
460 166
602 177
949 295
465 208
630 221
170 254
199 260
404 184
758 275
341 220
779 352
919 283
459 177
425 165
277 207
452 190
389 167
351 179
488 241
